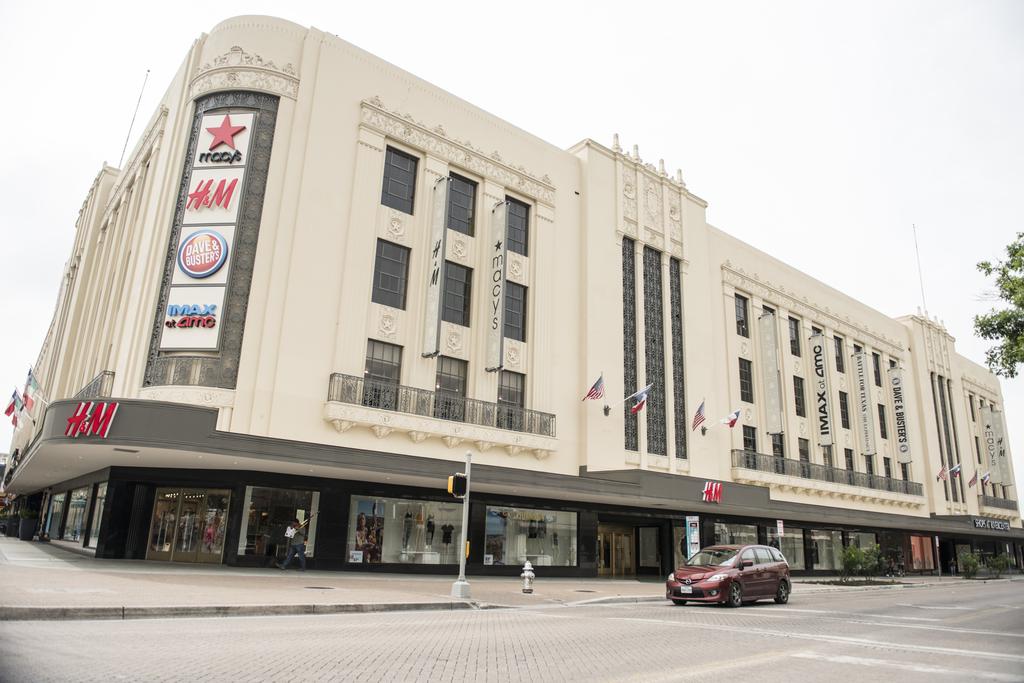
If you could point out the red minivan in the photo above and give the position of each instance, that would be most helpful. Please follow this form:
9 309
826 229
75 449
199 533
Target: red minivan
731 574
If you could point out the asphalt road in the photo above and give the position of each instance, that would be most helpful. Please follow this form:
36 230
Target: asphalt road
970 632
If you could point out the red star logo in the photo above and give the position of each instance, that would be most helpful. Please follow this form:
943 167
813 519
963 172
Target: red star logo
225 133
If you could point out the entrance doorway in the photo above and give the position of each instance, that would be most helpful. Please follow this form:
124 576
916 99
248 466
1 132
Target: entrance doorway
615 551
188 525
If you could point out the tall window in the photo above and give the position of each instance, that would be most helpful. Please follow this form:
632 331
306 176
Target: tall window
654 350
629 370
742 316
678 385
458 282
515 311
461 204
390 274
749 439
399 180
840 359
511 390
746 381
970 402
848 454
905 470
804 448
794 336
883 427
518 226
450 397
844 410
977 448
887 464
876 362
382 375
798 396
869 464
778 445
826 455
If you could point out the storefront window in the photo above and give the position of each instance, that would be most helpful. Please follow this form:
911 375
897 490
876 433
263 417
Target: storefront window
97 515
56 511
76 514
791 544
544 537
270 512
862 539
395 530
826 549
735 534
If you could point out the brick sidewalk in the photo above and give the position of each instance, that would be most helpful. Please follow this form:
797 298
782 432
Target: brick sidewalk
39 580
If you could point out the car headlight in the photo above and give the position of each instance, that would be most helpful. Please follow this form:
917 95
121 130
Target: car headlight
716 578
672 576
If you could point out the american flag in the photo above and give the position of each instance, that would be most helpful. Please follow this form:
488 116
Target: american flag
942 475
974 479
712 492
596 391
698 417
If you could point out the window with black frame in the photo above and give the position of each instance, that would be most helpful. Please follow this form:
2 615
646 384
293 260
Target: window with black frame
510 400
799 397
382 375
750 441
390 274
518 227
742 315
399 188
794 336
804 448
746 381
840 356
458 283
450 394
515 311
461 204
779 451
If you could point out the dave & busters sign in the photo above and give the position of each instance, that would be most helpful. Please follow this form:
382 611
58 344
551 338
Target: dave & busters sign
202 253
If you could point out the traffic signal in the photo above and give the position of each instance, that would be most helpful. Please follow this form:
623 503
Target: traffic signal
457 485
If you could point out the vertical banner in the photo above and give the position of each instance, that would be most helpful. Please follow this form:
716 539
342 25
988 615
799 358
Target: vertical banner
865 412
768 338
435 274
496 284
781 528
822 390
692 535
992 442
899 409
1002 457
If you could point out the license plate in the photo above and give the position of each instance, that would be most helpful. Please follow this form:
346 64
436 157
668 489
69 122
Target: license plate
685 589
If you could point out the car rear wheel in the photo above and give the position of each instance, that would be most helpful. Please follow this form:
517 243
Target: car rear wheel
735 597
678 602
782 595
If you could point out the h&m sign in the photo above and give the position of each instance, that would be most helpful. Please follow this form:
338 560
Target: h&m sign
91 419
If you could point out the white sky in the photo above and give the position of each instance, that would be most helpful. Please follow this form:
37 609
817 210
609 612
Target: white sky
811 128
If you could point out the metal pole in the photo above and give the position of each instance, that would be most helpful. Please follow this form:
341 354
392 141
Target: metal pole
460 589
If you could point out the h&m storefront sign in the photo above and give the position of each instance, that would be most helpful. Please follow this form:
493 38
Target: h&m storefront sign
91 419
996 524
202 264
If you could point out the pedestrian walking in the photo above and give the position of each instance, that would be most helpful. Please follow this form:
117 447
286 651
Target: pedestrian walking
296 538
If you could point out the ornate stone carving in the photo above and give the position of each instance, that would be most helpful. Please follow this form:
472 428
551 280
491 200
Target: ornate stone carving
745 349
484 445
460 249
418 437
513 356
342 425
237 69
514 449
515 267
387 323
395 226
652 203
452 441
541 454
673 211
404 127
381 430
453 340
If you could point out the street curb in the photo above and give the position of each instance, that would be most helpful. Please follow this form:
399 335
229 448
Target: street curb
206 611
618 599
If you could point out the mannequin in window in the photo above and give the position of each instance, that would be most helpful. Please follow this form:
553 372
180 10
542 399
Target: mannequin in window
407 524
430 530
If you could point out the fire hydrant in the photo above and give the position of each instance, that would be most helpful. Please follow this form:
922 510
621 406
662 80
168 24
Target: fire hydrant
527 576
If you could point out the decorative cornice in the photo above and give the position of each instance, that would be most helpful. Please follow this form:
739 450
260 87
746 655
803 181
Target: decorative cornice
801 304
237 69
436 141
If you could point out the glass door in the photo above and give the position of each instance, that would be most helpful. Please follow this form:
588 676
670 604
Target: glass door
186 544
161 529
615 552
188 525
214 525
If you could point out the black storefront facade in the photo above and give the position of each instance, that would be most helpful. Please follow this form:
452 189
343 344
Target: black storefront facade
389 512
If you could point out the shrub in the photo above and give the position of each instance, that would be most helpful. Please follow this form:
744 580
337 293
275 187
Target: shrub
999 564
853 562
873 562
969 565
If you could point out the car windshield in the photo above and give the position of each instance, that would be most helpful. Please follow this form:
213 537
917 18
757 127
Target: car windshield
712 557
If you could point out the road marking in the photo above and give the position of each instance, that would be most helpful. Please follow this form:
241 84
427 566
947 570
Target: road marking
688 670
843 640
904 604
858 614
963 674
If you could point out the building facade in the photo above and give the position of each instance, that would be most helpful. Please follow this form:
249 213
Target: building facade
319 281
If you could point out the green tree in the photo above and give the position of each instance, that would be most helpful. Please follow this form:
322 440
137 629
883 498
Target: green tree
872 562
999 564
969 565
1006 325
853 562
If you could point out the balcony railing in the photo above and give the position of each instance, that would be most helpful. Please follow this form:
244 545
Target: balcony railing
806 470
992 501
99 386
402 399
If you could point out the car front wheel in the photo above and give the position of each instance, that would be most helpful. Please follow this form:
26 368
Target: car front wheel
782 595
735 597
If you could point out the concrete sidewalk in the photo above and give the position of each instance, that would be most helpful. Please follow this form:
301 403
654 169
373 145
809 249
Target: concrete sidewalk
45 581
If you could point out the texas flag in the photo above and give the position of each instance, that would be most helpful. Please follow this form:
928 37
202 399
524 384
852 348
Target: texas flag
14 407
954 471
731 418
641 399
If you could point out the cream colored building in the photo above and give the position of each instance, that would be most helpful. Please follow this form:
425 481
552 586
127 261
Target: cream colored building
256 292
